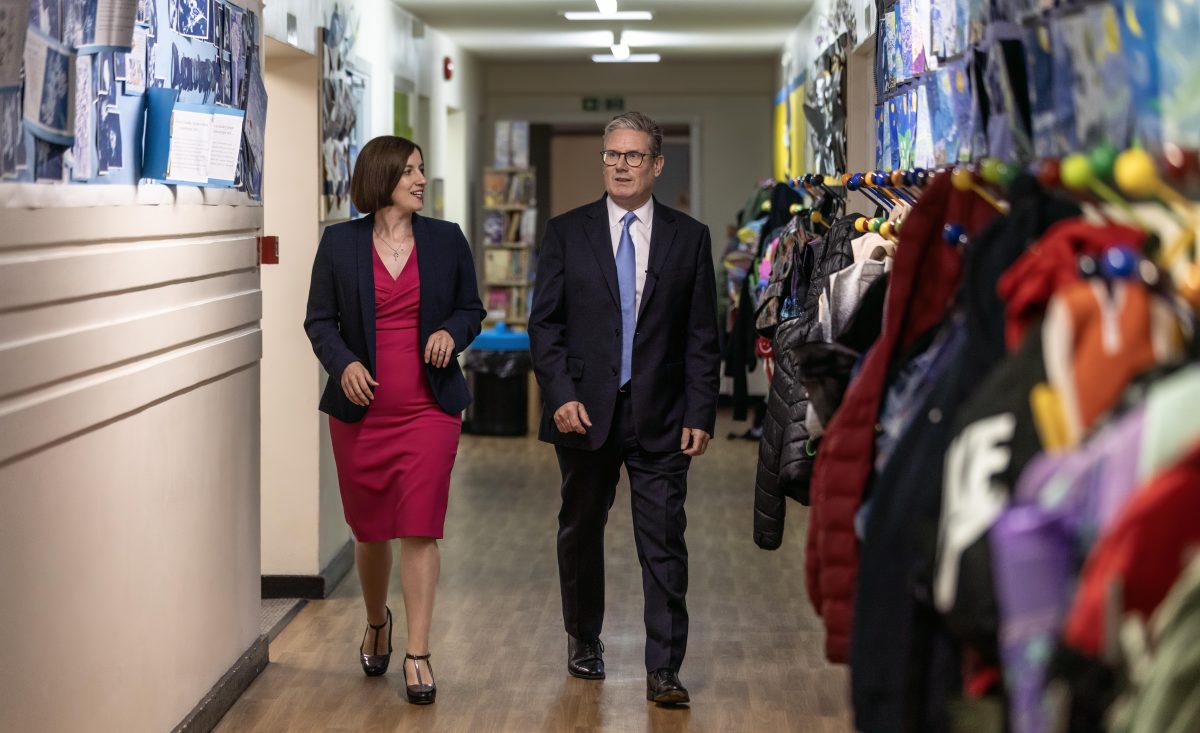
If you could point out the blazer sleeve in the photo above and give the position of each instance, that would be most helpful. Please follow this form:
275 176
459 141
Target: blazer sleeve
322 322
702 354
465 322
548 324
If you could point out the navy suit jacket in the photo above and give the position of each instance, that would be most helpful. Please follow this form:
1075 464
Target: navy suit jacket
341 306
575 329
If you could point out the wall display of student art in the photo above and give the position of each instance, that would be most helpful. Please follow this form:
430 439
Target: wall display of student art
342 98
76 76
1024 79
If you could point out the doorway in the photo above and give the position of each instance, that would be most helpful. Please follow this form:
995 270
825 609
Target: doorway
302 527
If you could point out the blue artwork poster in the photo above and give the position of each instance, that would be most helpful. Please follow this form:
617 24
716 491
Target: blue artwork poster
1178 33
1139 39
1039 63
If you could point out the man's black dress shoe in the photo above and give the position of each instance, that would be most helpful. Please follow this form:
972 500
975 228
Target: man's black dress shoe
585 659
663 687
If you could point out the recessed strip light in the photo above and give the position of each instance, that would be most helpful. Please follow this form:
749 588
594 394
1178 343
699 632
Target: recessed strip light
619 15
633 58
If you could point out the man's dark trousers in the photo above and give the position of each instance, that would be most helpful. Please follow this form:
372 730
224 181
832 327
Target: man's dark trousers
658 484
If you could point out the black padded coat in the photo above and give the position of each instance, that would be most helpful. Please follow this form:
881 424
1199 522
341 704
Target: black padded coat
784 462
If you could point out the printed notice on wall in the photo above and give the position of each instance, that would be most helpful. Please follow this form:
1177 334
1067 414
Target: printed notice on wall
191 141
14 17
226 145
107 24
49 64
198 144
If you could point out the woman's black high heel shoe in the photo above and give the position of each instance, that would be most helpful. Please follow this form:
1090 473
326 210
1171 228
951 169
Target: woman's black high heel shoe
420 693
376 664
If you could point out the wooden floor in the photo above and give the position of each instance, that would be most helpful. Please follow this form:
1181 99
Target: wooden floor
754 658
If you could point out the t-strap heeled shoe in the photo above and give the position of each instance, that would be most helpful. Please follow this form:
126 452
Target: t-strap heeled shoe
420 693
375 665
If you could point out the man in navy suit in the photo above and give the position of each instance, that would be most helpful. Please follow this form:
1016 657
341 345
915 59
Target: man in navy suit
623 332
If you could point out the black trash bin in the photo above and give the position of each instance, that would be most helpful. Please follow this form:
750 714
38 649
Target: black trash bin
497 368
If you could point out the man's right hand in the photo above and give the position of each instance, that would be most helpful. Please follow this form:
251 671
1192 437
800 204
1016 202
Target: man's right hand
357 384
572 418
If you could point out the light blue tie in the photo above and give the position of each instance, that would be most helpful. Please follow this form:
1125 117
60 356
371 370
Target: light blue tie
627 282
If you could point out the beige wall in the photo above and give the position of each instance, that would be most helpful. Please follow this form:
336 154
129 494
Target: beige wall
727 103
302 526
129 404
571 157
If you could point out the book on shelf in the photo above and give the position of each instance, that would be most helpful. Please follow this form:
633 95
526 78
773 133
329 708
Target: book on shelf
503 157
506 265
494 227
520 306
498 301
495 188
529 226
519 143
514 227
516 190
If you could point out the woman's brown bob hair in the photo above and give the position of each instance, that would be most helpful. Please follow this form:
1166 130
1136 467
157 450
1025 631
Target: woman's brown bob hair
378 169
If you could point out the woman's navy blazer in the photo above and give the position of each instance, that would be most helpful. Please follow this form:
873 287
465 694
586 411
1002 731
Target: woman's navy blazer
341 306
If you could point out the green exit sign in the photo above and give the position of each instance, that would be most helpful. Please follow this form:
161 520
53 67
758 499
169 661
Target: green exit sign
603 104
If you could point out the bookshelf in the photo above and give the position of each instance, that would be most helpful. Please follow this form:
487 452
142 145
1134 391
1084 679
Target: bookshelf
509 233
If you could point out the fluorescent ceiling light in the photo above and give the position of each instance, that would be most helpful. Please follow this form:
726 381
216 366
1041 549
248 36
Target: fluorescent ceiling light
619 15
633 58
608 7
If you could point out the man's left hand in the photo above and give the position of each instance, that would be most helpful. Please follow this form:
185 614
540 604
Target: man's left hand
694 442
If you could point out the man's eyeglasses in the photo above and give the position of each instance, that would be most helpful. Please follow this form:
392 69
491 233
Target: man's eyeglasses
633 158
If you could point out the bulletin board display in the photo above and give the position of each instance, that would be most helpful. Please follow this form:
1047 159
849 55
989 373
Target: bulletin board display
77 78
1020 80
343 93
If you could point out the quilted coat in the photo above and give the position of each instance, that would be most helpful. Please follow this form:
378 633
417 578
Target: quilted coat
784 462
920 292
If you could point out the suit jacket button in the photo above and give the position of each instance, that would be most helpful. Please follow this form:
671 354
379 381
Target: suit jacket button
614 371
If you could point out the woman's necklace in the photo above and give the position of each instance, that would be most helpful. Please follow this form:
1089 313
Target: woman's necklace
396 252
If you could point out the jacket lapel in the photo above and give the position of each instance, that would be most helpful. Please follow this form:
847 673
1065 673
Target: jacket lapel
366 282
598 236
662 236
425 273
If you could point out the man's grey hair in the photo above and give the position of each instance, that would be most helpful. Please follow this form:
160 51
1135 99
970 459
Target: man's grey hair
639 123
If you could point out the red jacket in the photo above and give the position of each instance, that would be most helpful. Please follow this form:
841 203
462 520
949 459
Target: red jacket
1144 551
920 293
1042 271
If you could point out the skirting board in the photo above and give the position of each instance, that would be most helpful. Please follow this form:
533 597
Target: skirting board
209 711
311 586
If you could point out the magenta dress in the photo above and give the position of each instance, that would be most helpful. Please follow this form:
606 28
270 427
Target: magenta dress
394 465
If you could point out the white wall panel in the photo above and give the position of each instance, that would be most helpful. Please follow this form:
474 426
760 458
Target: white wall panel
129 453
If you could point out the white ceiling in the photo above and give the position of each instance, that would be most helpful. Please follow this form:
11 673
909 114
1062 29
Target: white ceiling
681 29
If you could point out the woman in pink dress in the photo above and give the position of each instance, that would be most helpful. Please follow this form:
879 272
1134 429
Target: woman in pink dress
392 303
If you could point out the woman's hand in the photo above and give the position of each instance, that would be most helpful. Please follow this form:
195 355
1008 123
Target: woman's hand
440 349
357 384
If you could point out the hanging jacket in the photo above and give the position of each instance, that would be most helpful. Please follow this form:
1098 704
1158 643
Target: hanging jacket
785 465
786 403
1063 502
1029 283
1145 551
998 432
825 367
902 673
1165 677
921 288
